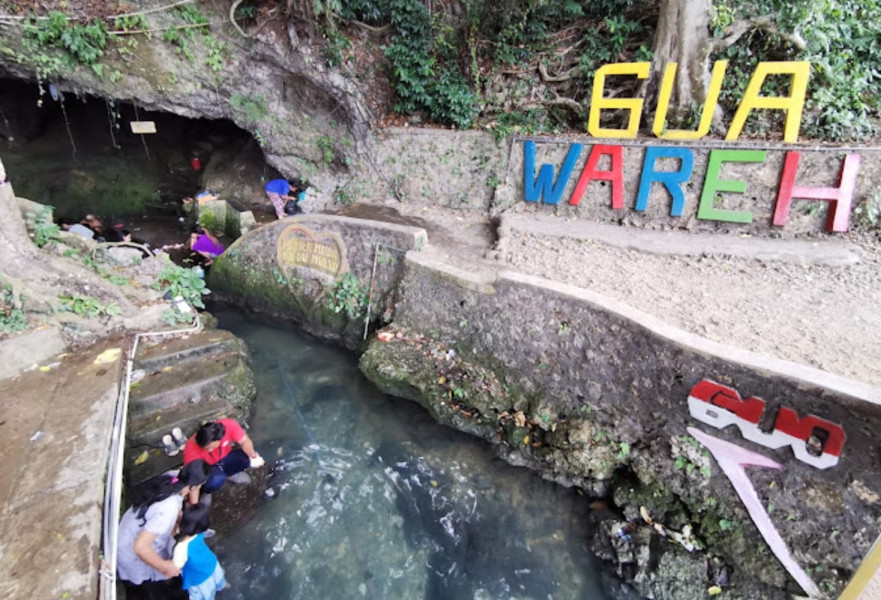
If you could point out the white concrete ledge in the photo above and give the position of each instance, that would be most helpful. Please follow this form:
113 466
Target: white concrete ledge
827 252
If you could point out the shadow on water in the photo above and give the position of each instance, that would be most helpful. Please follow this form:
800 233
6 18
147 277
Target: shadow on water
370 498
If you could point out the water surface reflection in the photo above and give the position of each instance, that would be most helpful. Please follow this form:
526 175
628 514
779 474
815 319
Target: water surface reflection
373 499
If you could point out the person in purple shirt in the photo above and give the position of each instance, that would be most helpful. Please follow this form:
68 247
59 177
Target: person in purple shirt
278 191
204 243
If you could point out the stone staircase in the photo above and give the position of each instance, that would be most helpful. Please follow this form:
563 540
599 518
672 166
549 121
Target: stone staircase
183 382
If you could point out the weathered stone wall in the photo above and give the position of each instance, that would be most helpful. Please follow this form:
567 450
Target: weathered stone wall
253 273
453 169
603 393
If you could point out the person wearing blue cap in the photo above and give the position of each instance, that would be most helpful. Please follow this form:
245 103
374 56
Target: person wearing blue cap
278 191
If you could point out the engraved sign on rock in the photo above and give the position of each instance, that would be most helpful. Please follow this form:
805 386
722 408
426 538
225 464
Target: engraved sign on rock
323 251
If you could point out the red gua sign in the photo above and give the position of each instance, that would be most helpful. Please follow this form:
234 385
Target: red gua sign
721 406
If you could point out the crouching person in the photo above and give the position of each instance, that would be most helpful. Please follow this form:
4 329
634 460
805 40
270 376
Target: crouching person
145 533
213 443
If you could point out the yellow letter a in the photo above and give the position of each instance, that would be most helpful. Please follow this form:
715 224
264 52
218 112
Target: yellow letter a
792 104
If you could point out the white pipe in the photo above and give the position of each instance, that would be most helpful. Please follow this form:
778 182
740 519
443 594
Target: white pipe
113 480
370 291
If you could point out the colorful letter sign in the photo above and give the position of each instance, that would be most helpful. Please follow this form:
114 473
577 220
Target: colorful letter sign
547 188
659 128
793 104
721 406
840 199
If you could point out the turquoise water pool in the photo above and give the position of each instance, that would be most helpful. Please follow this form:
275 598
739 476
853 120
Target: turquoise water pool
370 498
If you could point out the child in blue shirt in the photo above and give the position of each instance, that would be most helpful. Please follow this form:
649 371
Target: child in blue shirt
202 575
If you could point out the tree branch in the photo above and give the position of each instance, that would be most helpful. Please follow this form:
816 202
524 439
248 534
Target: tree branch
557 100
737 29
547 78
371 28
232 17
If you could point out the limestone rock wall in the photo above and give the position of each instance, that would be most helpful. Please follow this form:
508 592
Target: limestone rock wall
286 96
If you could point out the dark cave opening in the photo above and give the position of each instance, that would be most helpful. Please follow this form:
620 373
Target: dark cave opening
80 155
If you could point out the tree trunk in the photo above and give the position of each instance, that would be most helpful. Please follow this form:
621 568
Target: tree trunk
15 243
682 36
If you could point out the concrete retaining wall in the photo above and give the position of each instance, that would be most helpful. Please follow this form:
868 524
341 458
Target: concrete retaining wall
474 171
258 274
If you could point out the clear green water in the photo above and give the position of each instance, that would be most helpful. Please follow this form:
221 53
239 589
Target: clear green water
373 499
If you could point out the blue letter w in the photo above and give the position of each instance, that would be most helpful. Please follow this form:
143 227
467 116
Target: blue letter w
534 188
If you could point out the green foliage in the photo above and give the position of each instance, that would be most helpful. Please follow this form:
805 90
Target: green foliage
190 14
347 295
87 306
842 44
172 316
84 43
43 230
174 36
12 318
844 50
253 108
187 283
424 69
215 53
868 213
327 9
615 34
337 44
325 145
131 23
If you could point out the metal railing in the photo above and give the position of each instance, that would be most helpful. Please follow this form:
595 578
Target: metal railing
113 479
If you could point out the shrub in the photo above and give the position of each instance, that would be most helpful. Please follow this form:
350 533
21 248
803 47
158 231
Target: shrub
83 43
176 281
43 229
12 318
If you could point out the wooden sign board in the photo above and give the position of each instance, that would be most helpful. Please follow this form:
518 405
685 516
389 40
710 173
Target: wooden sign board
143 126
866 583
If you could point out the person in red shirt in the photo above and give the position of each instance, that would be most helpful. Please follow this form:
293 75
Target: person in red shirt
213 443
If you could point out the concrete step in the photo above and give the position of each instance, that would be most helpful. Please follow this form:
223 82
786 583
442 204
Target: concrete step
190 382
154 356
184 382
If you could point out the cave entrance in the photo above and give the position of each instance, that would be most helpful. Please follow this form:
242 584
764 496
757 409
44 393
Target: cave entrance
79 154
